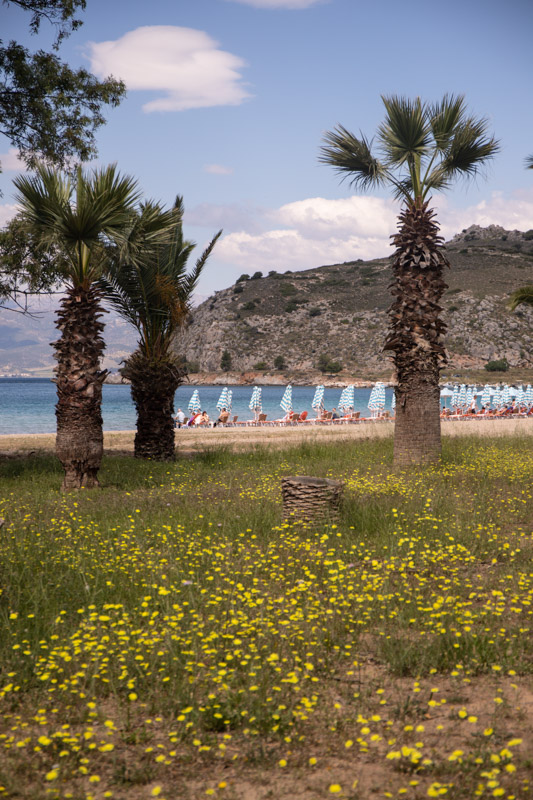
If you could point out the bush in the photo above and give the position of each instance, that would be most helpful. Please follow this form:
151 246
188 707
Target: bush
261 365
325 364
225 361
244 277
500 365
192 366
279 362
256 276
249 306
291 306
238 289
314 312
287 289
528 235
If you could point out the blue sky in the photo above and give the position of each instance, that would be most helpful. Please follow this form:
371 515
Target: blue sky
229 99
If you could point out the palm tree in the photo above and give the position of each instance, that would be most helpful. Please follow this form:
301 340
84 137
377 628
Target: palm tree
523 296
529 162
153 292
422 148
74 220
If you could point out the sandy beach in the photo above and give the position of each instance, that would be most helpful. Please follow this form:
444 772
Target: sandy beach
190 441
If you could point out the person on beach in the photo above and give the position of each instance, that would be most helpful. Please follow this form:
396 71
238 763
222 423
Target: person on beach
222 419
202 419
179 418
191 423
334 414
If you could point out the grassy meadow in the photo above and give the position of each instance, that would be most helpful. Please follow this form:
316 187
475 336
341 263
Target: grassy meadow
169 636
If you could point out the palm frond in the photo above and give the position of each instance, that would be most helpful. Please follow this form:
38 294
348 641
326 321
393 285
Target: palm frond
405 133
520 297
529 162
445 117
352 157
469 149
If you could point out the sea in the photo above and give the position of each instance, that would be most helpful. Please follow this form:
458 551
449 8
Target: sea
27 405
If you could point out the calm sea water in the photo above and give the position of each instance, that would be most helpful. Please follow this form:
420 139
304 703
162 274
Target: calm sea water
27 405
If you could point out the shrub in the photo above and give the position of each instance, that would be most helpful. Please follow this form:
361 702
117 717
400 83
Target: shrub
192 366
249 306
244 277
225 361
314 312
272 273
261 365
256 276
238 289
325 364
453 308
287 289
291 306
528 235
279 362
500 365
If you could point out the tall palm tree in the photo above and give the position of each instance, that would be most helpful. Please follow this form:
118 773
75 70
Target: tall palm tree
421 148
74 220
154 292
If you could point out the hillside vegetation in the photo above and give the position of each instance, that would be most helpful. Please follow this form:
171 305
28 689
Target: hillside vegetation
339 311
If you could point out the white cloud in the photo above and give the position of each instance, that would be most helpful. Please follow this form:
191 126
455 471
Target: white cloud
184 64
218 169
291 4
7 212
10 161
317 231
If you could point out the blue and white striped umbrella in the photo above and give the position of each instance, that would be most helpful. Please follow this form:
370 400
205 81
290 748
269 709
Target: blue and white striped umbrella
286 400
393 401
461 402
194 403
485 397
469 397
528 398
223 399
519 397
454 402
372 399
347 399
497 397
255 400
506 395
230 399
318 399
380 399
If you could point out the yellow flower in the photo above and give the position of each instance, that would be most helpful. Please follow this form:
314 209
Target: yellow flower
52 775
335 788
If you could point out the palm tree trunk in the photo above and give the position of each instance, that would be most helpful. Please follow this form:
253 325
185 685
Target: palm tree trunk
416 335
153 386
79 440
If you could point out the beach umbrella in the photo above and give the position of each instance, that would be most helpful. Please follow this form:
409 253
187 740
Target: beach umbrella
372 399
194 403
461 402
506 395
497 397
520 395
223 399
318 399
230 399
454 402
347 399
380 395
286 400
528 397
393 401
255 401
485 396
469 397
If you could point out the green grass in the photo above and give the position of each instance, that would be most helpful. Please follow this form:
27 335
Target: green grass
169 629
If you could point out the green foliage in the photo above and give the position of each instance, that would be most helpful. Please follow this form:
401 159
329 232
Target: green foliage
261 365
279 362
47 109
243 277
287 289
314 312
225 361
256 276
528 235
249 306
326 364
291 306
192 367
238 289
499 365
523 296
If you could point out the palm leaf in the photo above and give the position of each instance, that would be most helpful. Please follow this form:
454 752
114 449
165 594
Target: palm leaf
469 149
405 133
352 156
520 297
529 162
445 117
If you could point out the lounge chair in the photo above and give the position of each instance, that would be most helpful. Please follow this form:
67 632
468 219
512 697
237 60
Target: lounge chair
262 419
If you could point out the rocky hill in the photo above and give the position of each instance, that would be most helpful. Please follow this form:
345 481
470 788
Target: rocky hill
339 312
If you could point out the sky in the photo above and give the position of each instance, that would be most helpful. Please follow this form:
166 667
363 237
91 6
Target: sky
229 100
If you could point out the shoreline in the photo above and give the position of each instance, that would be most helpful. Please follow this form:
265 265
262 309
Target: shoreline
194 440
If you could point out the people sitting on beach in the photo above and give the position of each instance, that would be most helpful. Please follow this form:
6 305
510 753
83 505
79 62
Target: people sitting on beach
179 418
192 421
202 419
334 414
222 419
